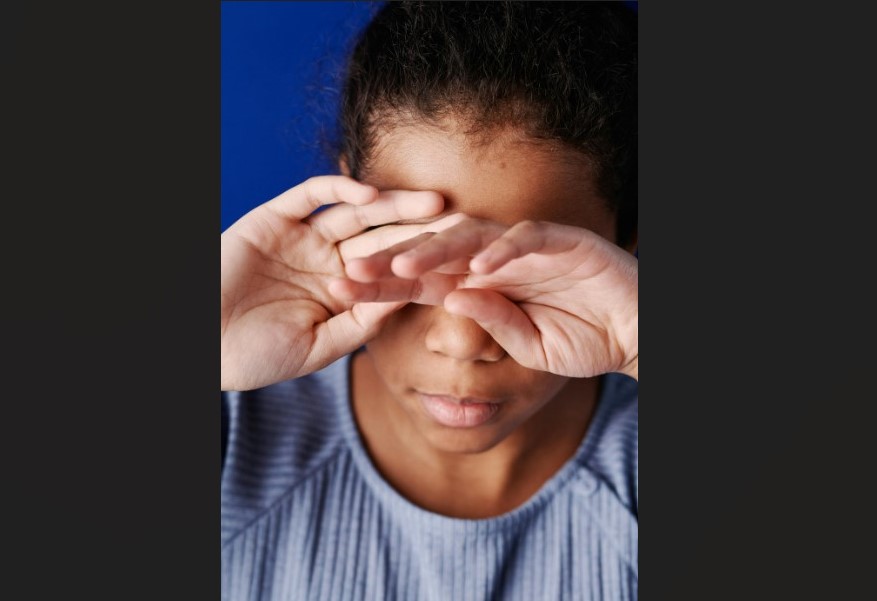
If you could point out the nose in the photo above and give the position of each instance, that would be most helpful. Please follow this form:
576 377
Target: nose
460 338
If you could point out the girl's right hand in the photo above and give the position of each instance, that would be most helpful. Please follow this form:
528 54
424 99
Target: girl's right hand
278 320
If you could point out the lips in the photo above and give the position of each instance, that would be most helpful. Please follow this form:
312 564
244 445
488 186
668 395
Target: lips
456 412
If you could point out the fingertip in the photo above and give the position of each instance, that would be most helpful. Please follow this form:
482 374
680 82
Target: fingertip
453 303
366 193
434 203
405 266
459 302
338 288
371 193
358 270
480 264
351 291
482 306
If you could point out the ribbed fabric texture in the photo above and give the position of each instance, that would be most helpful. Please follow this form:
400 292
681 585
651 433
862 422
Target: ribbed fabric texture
306 516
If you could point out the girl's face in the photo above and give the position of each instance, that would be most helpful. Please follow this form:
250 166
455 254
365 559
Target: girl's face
422 349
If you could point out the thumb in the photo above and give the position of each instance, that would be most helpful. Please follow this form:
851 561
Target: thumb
347 331
503 320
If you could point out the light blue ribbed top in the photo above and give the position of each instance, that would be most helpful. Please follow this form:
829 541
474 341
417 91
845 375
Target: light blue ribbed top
307 516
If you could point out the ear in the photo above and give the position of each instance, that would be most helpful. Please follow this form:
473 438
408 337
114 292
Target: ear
343 165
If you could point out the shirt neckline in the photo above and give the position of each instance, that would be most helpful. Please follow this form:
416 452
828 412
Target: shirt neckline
405 510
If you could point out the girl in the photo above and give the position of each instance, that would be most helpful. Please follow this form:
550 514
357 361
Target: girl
431 385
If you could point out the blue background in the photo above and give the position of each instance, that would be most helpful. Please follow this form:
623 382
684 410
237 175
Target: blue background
278 89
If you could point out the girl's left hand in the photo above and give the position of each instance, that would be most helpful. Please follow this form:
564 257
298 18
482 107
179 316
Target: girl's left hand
557 298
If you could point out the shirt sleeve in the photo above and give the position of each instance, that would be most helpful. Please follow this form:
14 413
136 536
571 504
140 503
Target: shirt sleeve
224 429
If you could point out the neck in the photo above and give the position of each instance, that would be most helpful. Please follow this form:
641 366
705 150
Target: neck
469 485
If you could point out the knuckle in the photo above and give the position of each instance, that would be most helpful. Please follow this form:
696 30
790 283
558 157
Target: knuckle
416 289
313 183
308 187
360 218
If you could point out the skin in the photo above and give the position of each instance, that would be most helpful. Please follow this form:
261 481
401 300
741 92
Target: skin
277 318
484 315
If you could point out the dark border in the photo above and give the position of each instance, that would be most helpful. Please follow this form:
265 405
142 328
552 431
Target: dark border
111 262
757 410
754 422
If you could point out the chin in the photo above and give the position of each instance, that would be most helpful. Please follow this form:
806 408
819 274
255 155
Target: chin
470 441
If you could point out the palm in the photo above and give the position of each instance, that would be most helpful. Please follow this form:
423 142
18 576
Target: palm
572 305
277 318
279 295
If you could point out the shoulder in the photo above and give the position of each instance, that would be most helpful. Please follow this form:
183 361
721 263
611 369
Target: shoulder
277 437
615 453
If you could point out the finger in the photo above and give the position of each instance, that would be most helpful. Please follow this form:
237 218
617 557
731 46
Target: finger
377 266
457 267
528 237
431 289
347 331
384 237
503 320
302 200
460 241
524 238
345 220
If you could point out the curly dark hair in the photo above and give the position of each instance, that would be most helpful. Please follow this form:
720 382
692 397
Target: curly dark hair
562 71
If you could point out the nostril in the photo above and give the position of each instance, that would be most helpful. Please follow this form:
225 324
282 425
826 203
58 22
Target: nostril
495 354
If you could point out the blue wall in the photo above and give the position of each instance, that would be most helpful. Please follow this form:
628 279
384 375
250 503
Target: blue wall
278 60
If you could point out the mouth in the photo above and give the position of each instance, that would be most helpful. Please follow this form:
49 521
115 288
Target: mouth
458 412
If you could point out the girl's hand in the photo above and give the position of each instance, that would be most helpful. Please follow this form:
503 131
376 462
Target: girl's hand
557 298
277 318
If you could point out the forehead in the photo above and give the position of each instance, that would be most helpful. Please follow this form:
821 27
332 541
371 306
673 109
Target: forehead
498 175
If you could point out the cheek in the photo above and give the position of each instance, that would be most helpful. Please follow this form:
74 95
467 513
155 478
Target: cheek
540 387
400 339
404 326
